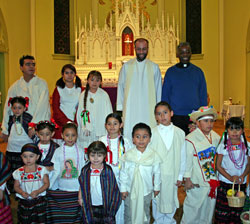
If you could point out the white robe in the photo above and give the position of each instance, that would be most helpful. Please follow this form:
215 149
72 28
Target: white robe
139 89
37 92
98 111
172 167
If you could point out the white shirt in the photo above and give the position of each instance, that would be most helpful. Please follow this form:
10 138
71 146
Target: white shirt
147 173
167 134
69 98
32 181
17 138
95 187
37 92
44 149
68 162
228 165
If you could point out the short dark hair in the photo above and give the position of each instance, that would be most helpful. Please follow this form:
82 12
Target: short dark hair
97 147
21 60
69 125
163 103
183 44
142 126
140 40
235 122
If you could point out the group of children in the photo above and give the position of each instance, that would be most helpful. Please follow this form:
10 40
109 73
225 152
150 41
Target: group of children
93 177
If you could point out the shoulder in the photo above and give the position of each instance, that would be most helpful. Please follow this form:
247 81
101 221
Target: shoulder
179 131
54 144
196 68
103 92
152 63
40 81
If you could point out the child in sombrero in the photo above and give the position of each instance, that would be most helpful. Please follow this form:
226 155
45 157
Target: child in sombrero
200 177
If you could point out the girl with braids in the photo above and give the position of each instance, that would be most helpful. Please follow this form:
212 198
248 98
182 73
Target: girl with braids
116 146
233 165
65 99
17 133
94 106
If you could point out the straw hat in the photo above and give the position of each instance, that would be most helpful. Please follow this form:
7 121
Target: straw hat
202 112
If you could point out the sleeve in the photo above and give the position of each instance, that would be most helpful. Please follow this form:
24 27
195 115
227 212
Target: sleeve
203 90
56 172
166 88
189 160
123 177
15 175
7 110
120 89
183 161
42 111
220 149
157 177
109 108
59 117
158 84
79 111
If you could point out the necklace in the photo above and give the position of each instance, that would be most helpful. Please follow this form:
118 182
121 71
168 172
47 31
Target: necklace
18 125
238 162
119 153
64 155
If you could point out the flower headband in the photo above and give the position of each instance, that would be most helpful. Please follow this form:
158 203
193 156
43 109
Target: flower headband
51 122
26 99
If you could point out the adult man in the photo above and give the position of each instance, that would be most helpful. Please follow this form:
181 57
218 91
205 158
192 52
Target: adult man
35 89
184 87
139 89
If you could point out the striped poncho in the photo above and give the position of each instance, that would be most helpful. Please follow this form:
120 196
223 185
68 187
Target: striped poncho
110 193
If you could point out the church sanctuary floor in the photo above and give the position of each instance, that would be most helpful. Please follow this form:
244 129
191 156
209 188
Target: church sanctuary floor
218 127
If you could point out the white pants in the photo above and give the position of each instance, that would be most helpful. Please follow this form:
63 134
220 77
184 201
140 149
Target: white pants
127 213
162 218
198 208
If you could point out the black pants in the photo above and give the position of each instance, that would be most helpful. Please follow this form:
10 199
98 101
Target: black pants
182 121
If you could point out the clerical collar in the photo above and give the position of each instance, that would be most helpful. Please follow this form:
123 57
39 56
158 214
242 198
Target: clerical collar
181 65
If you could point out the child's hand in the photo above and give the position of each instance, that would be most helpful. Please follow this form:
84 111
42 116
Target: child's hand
49 168
34 194
124 195
235 178
156 193
188 184
178 183
25 194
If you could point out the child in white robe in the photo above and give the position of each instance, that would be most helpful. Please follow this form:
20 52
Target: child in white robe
169 141
94 106
139 176
201 179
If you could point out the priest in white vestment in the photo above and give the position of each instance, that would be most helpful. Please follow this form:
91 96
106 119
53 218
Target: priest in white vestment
139 89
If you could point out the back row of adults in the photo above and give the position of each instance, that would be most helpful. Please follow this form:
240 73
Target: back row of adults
139 89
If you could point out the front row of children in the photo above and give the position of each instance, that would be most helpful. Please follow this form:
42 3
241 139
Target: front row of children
117 171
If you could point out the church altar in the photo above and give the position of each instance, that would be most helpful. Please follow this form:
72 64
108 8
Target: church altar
106 48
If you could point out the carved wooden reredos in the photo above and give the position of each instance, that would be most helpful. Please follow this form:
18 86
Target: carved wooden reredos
107 48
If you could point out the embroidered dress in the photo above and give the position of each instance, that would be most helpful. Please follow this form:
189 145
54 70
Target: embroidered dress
138 91
63 204
111 197
99 108
5 174
200 202
115 151
234 162
31 210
